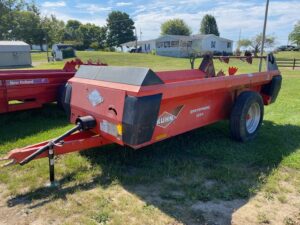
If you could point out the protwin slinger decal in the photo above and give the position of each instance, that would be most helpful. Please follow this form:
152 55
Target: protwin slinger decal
200 112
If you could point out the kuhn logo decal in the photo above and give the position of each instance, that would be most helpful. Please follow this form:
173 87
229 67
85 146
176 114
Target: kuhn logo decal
166 118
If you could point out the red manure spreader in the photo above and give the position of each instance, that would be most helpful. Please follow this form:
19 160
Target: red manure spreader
137 107
27 89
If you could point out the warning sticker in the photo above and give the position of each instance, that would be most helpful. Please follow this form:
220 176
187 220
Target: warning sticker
95 98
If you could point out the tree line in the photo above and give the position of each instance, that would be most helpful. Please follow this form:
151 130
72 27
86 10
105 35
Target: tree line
208 25
20 20
23 21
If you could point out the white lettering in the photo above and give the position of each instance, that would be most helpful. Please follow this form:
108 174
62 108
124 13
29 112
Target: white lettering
166 119
204 108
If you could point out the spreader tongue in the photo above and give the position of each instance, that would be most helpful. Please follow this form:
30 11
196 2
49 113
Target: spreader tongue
11 161
82 123
27 154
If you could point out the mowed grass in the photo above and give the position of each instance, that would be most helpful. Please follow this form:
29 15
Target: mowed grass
158 184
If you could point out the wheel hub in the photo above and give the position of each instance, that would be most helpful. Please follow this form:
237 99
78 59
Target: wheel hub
253 118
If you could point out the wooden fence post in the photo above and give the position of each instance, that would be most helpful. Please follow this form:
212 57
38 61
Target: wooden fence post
294 64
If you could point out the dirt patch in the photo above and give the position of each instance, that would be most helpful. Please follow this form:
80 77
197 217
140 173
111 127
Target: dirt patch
262 211
12 215
38 63
218 212
276 210
22 213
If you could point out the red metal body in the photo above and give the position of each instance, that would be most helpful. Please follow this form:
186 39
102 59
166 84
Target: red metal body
25 89
202 101
76 142
189 100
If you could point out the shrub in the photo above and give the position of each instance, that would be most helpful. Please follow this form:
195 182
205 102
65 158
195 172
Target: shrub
68 53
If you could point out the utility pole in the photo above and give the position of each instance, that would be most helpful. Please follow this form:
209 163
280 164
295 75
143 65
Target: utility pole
136 37
264 35
140 34
47 48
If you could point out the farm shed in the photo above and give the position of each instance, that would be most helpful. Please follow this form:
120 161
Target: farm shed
14 53
63 51
183 46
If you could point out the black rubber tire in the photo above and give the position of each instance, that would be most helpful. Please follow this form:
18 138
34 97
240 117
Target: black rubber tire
60 96
239 114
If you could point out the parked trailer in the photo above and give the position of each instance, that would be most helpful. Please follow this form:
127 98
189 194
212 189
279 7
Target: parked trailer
27 89
137 107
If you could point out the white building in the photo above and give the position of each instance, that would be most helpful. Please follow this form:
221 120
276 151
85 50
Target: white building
42 47
14 53
146 46
183 46
57 51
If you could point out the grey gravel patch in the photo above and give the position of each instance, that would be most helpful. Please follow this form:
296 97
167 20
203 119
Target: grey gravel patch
209 183
218 212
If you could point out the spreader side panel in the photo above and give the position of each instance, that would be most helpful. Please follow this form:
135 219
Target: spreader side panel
182 114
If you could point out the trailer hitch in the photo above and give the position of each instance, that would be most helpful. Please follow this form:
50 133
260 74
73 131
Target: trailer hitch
11 161
84 123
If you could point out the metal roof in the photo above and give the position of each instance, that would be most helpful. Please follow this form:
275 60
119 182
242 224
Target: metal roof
14 46
133 43
192 37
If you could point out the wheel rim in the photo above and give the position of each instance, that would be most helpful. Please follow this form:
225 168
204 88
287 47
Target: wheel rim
253 118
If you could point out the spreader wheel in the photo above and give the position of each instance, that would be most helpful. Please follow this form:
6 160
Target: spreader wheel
246 116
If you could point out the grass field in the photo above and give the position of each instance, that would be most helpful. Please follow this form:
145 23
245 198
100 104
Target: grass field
200 177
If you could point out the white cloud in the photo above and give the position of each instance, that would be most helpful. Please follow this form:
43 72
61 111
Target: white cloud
92 8
231 15
54 4
124 3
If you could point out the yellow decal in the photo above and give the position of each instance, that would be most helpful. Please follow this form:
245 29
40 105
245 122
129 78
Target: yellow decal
161 136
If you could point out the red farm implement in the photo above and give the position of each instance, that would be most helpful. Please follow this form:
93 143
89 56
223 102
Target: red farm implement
137 107
26 89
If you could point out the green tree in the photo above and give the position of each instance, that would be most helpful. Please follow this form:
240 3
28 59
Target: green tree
120 29
28 28
91 33
8 9
72 30
175 27
294 36
209 25
255 43
54 29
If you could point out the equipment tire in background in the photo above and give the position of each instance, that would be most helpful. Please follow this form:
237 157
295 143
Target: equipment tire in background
64 98
246 116
60 96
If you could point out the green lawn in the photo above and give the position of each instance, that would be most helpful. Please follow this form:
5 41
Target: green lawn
161 183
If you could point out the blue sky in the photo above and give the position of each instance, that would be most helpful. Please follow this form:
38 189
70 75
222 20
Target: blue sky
231 15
